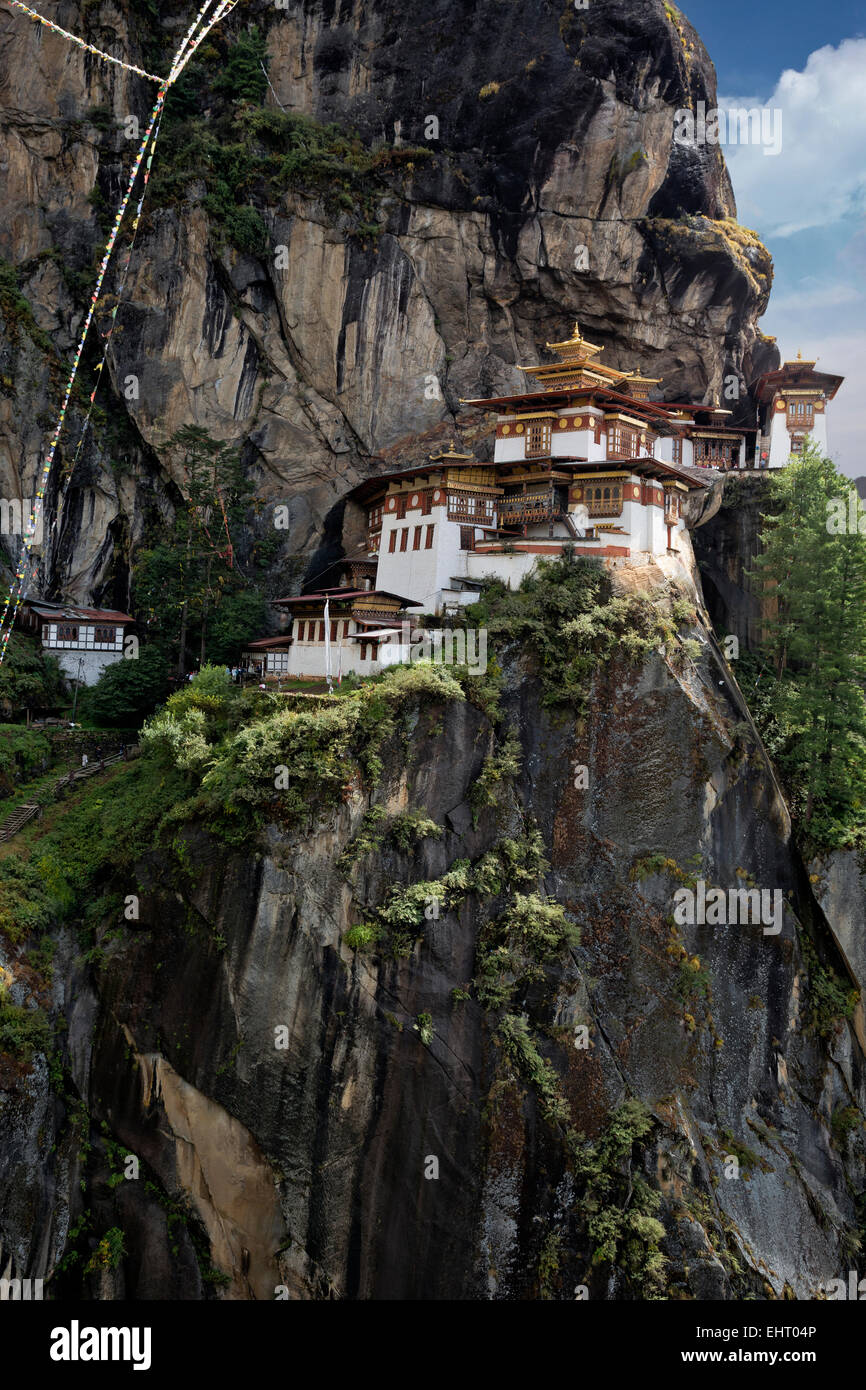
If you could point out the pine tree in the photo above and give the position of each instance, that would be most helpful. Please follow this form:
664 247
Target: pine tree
815 579
186 575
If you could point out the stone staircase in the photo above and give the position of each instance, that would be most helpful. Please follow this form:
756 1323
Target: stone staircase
22 815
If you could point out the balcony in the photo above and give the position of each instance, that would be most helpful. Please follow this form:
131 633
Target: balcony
471 516
600 507
519 511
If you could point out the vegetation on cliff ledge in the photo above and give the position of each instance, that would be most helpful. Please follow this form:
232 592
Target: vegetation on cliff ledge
566 616
220 134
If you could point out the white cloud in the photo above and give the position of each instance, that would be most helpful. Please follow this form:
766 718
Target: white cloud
819 176
802 300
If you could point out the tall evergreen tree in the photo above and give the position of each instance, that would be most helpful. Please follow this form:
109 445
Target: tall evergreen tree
814 578
181 581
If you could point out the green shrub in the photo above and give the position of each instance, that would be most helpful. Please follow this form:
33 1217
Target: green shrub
423 1026
26 899
127 692
21 751
403 830
515 946
28 678
564 614
622 1232
23 1031
846 1120
830 999
408 827
521 1048
108 1253
360 937
18 315
502 765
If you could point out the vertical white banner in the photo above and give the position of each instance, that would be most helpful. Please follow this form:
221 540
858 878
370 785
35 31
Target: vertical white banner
328 642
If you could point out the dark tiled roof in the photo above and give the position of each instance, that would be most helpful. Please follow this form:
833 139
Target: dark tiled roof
343 596
53 611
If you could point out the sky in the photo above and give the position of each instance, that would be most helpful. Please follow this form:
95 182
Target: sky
808 202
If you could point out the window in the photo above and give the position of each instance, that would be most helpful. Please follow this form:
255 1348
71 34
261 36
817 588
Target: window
714 451
67 632
333 629
321 632
404 536
401 507
467 537
392 542
604 501
537 438
677 449
468 507
416 538
426 502
796 443
622 442
800 415
428 544
363 651
374 518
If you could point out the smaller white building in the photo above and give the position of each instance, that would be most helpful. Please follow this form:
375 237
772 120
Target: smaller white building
793 407
335 631
84 640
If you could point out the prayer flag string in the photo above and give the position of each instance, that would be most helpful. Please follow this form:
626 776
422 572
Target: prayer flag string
196 33
82 43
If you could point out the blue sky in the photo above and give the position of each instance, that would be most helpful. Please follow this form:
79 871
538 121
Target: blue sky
808 203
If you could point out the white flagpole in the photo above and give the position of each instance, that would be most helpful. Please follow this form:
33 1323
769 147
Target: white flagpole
328 643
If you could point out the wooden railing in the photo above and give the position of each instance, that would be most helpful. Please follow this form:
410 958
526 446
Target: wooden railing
611 507
516 511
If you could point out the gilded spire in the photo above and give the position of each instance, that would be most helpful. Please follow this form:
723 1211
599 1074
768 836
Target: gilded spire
575 346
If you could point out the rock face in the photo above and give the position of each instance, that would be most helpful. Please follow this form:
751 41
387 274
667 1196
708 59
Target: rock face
726 540
840 881
551 189
287 1093
329 1122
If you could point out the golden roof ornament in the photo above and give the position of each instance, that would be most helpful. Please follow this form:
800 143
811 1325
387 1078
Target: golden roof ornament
575 346
450 453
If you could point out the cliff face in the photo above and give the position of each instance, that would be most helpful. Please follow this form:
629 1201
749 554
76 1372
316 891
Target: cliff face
341 340
726 532
344 1123
366 1123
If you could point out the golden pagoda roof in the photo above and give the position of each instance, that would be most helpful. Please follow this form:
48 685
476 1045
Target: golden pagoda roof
560 370
575 346
451 454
